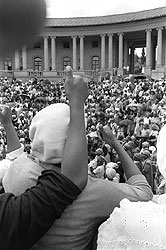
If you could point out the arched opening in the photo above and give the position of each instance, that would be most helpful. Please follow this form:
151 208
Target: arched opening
95 62
37 63
8 63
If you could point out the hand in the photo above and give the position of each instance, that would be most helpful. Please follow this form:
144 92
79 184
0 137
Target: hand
106 134
75 86
5 114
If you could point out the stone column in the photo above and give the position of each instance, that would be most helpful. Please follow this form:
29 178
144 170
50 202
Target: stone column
159 47
24 57
120 50
46 66
17 60
110 52
74 52
132 52
126 53
81 53
148 47
120 67
153 55
102 52
53 53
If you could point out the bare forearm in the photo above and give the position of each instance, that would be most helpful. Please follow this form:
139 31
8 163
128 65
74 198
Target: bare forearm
13 142
75 155
128 164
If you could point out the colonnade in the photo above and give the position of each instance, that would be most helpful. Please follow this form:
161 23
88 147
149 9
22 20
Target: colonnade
123 48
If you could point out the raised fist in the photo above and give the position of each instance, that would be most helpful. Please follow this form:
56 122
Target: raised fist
75 86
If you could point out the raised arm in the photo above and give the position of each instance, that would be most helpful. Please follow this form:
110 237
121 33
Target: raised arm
128 164
13 142
75 156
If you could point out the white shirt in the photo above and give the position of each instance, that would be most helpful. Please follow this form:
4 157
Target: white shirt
5 163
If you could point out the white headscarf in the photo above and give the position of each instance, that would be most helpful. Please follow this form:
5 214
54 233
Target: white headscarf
48 132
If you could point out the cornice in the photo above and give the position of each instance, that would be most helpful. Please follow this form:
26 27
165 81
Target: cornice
109 19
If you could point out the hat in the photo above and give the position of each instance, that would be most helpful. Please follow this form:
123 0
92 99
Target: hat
48 132
146 153
99 151
133 138
152 149
111 165
155 127
22 139
93 128
137 157
111 173
131 144
145 144
111 114
127 146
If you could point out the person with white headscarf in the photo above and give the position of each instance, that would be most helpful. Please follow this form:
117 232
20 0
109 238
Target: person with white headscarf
49 133
138 225
24 219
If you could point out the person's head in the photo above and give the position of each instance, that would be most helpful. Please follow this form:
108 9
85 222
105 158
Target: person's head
111 118
146 154
138 157
112 165
100 160
127 146
93 128
48 132
99 151
146 126
155 127
111 173
152 149
133 138
145 145
131 144
120 136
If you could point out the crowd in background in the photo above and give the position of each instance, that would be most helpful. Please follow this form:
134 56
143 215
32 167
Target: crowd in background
134 109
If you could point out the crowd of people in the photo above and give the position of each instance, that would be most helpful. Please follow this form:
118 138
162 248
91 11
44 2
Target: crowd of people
108 129
133 108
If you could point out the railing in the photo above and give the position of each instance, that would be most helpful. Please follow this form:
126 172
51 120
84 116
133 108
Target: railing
92 72
6 73
34 73
16 73
60 73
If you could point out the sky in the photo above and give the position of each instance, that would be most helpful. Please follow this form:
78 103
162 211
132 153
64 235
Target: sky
85 8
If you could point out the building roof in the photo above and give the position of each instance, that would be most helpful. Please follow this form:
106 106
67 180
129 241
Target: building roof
109 19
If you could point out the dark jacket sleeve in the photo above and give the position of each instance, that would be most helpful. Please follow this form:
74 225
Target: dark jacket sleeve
25 219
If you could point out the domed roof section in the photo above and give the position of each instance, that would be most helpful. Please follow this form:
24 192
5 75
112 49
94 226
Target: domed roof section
109 19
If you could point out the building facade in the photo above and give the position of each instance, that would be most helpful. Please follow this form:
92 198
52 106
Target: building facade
93 46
